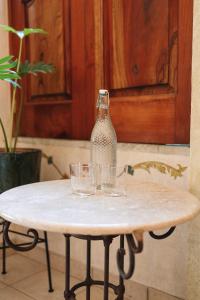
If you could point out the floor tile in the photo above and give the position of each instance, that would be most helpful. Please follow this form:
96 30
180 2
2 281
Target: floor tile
135 291
2 285
9 293
20 267
96 294
158 295
36 286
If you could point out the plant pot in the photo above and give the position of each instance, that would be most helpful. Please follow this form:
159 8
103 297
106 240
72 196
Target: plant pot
19 168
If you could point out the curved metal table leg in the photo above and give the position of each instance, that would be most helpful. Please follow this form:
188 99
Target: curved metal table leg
135 245
48 262
3 252
162 236
22 248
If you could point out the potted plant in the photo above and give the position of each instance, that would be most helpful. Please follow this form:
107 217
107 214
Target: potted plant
18 166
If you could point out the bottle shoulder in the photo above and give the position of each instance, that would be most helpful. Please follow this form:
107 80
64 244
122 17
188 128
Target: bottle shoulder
104 123
103 129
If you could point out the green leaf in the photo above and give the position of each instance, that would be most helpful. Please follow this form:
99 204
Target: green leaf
28 31
22 33
5 59
8 66
6 72
39 67
7 75
8 28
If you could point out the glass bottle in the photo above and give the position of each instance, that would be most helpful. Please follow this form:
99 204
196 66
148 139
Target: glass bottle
103 150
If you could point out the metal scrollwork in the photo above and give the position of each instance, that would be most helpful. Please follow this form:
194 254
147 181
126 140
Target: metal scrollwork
135 245
162 236
31 233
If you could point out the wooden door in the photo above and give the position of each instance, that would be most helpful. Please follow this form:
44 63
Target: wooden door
140 50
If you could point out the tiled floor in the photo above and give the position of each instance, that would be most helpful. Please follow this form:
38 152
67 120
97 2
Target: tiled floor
27 280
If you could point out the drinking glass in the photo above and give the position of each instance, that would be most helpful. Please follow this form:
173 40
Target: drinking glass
113 180
82 179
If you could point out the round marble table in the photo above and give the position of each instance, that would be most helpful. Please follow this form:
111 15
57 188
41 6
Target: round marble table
51 206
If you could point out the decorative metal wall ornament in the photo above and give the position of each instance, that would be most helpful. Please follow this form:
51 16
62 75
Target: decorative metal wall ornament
159 166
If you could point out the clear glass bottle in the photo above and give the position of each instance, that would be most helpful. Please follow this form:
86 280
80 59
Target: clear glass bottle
103 139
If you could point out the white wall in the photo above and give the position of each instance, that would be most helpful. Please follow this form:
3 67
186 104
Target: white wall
194 233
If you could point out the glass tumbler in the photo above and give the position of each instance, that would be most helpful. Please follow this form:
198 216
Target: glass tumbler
113 180
82 179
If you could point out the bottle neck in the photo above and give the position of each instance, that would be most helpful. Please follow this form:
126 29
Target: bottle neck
102 106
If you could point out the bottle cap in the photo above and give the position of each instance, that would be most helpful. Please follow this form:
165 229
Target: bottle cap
103 92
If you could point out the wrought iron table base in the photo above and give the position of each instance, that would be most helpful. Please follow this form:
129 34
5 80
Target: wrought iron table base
134 243
69 293
119 289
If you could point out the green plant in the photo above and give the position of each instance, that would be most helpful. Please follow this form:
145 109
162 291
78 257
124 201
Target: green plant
12 72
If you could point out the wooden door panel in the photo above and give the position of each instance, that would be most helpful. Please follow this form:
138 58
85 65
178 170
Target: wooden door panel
49 48
132 119
53 48
47 121
137 43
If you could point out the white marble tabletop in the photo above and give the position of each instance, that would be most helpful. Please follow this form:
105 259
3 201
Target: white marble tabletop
51 206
